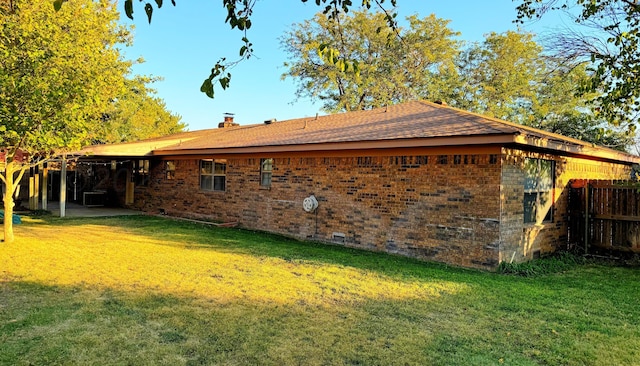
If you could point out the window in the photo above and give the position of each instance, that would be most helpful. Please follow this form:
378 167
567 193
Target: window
213 175
170 170
538 190
141 172
422 160
266 171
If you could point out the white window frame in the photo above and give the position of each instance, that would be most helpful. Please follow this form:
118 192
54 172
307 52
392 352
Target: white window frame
170 169
539 185
217 173
266 172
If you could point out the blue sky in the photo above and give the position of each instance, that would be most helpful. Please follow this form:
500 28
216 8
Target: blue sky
182 43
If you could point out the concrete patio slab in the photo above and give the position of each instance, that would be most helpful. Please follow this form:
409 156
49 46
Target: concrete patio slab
76 210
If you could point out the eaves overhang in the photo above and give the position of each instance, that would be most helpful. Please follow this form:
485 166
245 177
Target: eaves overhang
494 139
576 149
521 139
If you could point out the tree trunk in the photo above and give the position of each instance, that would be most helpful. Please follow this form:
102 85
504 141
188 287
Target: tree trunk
8 201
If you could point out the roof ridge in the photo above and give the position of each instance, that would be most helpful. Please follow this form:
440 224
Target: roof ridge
518 126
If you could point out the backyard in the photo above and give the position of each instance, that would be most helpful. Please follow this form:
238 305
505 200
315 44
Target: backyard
148 291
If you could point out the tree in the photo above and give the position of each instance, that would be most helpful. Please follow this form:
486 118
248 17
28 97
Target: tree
606 36
137 114
498 74
58 74
509 76
559 108
388 69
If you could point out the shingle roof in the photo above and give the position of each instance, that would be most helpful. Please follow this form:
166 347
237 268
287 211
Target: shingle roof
142 147
411 121
418 119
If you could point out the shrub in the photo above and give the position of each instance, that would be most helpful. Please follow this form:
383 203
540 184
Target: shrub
552 264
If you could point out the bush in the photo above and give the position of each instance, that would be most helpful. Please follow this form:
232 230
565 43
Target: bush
552 264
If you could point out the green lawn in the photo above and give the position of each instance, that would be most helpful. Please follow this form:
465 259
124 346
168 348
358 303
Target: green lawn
152 291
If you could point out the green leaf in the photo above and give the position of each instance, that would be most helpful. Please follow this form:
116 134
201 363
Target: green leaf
207 88
149 10
224 82
159 3
57 4
128 8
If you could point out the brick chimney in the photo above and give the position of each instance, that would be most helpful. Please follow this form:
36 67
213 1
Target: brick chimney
228 121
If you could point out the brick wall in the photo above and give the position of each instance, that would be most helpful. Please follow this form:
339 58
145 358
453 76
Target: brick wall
437 207
522 241
461 209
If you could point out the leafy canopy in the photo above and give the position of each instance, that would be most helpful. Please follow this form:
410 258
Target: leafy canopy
510 76
606 36
499 73
389 69
59 72
137 114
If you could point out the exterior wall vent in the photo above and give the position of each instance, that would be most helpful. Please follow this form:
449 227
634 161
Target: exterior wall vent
339 238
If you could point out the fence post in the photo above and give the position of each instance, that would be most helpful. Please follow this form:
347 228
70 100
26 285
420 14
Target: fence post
586 217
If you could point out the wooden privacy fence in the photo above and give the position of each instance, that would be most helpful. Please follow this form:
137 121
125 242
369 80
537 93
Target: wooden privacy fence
605 214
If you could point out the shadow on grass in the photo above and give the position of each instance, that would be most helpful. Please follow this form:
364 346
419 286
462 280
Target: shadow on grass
196 236
53 324
69 325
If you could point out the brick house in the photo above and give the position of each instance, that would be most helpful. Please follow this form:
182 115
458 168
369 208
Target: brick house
418 179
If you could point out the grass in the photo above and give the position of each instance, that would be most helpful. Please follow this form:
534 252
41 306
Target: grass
151 291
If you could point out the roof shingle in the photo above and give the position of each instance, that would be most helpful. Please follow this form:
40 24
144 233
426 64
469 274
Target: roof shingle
411 120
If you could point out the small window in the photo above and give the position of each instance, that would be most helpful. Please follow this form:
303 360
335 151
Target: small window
402 160
266 171
170 170
141 172
213 175
538 190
